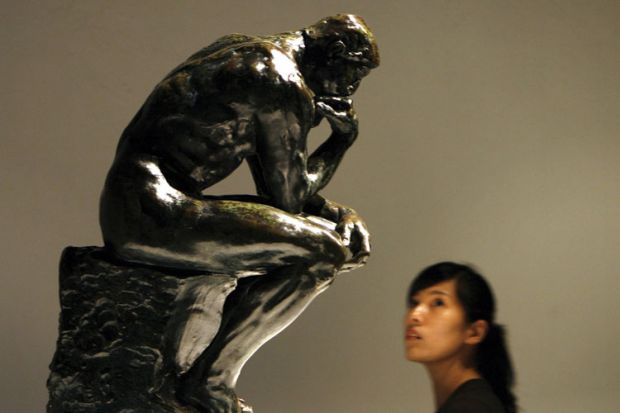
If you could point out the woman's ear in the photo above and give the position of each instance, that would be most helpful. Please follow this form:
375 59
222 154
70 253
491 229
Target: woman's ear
477 331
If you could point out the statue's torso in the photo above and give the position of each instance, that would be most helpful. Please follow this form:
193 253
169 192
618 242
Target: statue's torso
201 121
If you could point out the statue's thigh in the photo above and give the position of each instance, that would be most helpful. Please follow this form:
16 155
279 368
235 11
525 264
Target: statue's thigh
229 236
255 237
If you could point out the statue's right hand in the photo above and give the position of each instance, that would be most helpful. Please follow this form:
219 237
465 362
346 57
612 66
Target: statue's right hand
340 114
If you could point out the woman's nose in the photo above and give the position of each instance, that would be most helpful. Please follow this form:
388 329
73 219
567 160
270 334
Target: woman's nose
416 314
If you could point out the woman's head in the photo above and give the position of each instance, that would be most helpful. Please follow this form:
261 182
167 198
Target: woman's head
451 315
450 310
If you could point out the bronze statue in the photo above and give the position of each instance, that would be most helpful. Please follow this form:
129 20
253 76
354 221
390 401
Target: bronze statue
252 98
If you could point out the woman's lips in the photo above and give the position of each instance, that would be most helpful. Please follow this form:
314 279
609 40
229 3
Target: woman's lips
412 333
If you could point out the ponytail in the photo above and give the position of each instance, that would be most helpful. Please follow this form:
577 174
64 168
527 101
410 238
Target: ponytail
494 364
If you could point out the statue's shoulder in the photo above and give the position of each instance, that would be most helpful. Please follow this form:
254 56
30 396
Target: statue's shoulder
238 68
240 57
260 60
222 43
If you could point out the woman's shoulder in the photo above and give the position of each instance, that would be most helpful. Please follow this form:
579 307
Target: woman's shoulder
473 396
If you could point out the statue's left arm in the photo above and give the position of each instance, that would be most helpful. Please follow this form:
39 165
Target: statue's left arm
349 224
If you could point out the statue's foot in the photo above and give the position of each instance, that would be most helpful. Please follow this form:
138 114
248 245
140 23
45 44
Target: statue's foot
214 399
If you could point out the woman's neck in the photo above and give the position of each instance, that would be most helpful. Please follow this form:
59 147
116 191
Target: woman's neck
447 376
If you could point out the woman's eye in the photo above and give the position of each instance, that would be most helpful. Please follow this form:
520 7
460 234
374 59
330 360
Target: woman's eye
437 303
413 303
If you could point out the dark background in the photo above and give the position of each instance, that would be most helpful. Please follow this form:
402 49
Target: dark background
490 134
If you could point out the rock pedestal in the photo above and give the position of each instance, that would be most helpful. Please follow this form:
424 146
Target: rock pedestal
128 332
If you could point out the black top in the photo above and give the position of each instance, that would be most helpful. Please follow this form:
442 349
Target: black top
473 396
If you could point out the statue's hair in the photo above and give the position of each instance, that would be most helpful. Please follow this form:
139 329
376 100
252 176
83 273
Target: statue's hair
350 28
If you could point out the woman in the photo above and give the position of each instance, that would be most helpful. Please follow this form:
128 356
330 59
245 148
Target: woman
450 329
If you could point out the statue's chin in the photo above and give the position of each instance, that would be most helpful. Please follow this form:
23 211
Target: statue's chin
338 94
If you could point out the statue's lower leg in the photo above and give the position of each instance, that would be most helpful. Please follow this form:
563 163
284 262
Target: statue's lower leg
260 308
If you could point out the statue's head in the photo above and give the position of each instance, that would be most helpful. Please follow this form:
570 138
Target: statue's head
340 51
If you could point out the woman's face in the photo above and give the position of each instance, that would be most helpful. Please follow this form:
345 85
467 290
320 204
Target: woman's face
435 325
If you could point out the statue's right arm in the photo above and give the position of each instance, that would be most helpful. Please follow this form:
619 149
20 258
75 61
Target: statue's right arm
324 161
282 168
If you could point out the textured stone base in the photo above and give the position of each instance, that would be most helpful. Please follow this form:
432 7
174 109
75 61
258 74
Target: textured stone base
126 333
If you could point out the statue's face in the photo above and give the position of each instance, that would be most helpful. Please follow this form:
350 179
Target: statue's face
339 68
341 77
340 51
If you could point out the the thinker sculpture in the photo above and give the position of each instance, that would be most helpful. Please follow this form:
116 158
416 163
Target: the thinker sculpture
238 269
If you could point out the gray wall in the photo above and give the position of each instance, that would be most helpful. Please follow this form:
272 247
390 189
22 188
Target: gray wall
490 134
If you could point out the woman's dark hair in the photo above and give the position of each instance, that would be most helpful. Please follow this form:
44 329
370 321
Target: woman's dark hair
491 360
